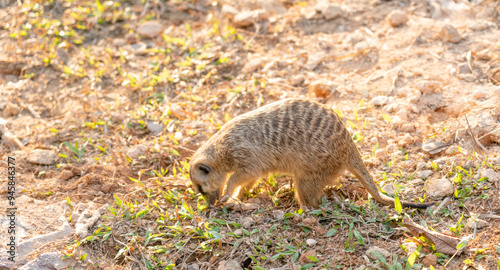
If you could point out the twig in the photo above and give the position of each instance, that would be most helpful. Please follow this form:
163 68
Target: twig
476 142
441 204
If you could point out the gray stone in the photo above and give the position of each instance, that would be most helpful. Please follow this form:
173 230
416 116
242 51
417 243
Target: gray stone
427 87
137 150
397 18
150 29
229 265
228 9
440 188
381 251
332 12
450 34
278 214
252 65
42 157
33 243
87 219
238 232
313 60
154 127
247 18
490 174
474 222
47 261
247 222
464 69
311 242
379 100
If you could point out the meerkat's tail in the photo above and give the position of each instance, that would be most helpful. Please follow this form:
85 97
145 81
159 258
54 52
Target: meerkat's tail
358 168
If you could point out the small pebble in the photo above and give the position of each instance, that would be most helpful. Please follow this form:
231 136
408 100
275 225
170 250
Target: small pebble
311 242
450 34
397 18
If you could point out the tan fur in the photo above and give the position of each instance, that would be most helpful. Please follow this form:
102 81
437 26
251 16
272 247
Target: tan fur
299 137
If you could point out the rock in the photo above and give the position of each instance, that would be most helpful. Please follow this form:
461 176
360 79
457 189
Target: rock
440 188
467 77
47 261
66 174
87 219
389 189
106 187
397 18
430 259
228 9
450 34
193 266
31 244
42 157
154 127
479 25
381 251
380 153
407 127
11 109
464 69
247 222
7 137
427 87
137 150
311 242
278 214
452 150
238 232
304 256
252 65
480 93
332 12
117 117
313 60
150 29
403 114
298 80
247 18
229 265
321 89
379 100
310 221
478 223
391 148
490 174
424 174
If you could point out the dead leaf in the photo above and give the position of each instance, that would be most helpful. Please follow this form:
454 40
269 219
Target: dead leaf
434 147
444 243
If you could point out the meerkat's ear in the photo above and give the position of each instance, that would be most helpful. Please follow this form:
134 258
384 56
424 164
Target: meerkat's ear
204 168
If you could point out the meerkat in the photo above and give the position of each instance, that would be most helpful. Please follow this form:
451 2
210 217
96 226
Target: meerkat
302 138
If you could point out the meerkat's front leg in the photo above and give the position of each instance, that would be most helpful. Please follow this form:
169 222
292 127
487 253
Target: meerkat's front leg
239 178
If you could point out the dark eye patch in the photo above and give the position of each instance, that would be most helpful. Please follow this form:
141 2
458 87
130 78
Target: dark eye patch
204 169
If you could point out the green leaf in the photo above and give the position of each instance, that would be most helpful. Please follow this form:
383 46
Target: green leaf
397 205
307 266
100 7
331 232
313 259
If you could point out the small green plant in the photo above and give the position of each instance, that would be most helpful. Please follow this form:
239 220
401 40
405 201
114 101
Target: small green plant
78 151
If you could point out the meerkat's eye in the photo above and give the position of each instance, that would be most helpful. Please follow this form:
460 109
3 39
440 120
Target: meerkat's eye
204 168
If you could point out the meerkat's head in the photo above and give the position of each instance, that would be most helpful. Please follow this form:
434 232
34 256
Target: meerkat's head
207 179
